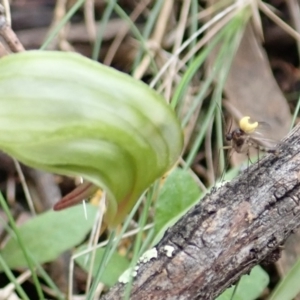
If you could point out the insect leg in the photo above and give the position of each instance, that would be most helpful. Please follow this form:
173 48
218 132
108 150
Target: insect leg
222 176
248 176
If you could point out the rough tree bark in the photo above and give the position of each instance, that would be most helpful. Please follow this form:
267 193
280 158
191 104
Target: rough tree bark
231 230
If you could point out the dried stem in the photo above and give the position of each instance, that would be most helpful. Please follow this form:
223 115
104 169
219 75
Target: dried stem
8 34
231 230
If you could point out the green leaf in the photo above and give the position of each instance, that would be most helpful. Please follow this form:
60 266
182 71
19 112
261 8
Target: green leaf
250 286
67 114
289 287
115 267
49 234
178 194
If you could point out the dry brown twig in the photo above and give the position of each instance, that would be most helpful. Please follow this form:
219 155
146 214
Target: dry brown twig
61 39
122 33
89 16
231 230
268 12
294 11
156 39
8 34
179 34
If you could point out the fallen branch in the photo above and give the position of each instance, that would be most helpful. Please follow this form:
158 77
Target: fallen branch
231 230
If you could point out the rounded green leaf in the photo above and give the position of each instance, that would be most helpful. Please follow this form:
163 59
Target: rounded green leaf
48 235
250 287
64 113
288 288
113 270
177 195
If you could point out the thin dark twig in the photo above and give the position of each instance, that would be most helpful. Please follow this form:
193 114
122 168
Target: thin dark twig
8 34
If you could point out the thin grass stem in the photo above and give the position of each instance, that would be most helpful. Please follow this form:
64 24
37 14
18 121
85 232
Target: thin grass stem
23 247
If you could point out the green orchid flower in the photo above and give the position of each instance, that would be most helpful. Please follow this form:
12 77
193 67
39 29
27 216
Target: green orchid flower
64 113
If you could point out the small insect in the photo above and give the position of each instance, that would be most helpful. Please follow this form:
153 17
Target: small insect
247 136
244 138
